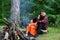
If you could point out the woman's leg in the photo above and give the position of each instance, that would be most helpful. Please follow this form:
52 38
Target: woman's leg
26 33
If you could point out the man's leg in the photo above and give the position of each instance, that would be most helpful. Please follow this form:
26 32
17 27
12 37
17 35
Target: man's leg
39 28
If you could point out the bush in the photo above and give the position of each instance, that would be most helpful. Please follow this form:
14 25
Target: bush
54 20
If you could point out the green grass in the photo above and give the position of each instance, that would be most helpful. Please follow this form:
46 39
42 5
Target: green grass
1 27
53 34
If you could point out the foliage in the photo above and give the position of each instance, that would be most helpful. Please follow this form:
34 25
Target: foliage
4 9
51 7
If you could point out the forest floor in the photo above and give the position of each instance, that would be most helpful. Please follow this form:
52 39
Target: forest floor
53 34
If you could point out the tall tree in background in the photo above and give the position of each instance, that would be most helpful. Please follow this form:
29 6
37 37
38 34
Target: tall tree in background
15 11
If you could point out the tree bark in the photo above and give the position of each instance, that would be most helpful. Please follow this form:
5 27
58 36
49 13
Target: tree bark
15 11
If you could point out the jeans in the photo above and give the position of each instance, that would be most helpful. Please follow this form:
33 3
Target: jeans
40 26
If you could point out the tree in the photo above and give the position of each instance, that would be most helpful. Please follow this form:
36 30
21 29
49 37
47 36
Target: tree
15 11
15 14
51 7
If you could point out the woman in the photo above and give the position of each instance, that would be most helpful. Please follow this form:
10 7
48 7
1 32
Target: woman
31 28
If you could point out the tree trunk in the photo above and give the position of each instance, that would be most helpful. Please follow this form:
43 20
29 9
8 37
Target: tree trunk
15 11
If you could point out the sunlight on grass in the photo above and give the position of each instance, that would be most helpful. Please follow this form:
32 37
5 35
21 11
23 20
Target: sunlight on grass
53 34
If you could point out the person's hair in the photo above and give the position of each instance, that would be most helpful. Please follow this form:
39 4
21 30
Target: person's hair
43 13
35 20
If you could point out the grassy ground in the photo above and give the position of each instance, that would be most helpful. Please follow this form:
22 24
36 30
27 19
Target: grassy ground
53 34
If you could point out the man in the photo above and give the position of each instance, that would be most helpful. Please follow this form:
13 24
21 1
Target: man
43 23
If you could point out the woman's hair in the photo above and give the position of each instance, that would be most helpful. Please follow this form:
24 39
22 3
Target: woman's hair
35 20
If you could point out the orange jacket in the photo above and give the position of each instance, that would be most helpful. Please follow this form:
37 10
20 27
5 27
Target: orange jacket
28 28
33 29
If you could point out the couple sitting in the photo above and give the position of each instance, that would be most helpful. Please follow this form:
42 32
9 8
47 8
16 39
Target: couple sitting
37 25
